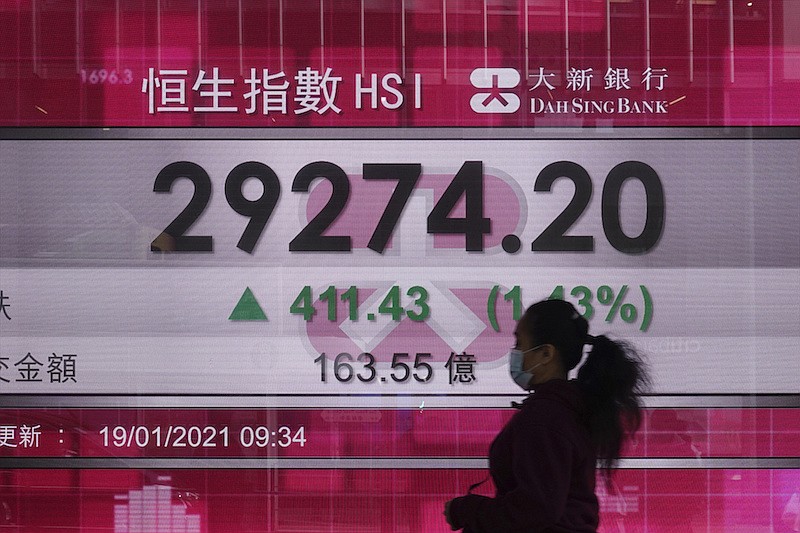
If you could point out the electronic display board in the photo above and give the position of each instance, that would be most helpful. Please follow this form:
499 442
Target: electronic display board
260 262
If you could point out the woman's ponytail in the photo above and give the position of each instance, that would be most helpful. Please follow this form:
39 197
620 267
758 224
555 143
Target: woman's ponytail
612 379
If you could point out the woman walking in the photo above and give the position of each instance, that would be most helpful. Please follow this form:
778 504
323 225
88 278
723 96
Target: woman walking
543 462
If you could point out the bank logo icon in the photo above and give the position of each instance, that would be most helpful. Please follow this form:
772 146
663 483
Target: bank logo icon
493 98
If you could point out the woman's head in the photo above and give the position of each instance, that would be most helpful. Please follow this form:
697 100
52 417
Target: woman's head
552 335
558 330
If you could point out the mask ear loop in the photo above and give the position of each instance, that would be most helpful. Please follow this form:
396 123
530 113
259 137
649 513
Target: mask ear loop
537 365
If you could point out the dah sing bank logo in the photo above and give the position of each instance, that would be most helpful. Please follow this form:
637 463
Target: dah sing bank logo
496 99
495 92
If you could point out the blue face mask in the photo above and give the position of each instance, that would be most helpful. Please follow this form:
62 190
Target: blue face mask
521 376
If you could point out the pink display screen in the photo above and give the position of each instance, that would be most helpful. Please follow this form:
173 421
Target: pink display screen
373 500
261 260
253 63
233 470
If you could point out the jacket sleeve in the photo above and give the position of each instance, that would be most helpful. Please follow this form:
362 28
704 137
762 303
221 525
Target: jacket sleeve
542 461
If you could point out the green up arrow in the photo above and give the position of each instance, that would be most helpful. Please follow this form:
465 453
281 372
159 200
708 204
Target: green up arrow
248 308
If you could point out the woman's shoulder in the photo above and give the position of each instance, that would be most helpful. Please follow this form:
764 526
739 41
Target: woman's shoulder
557 408
553 399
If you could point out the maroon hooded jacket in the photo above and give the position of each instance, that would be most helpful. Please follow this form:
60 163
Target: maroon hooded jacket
543 466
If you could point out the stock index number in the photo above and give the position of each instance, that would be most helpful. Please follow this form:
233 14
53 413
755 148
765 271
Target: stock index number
467 187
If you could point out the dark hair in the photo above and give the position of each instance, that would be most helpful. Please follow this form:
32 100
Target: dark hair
611 379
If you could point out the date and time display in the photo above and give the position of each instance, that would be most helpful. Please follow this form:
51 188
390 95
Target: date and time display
178 436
